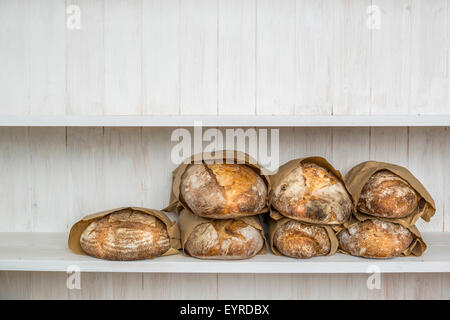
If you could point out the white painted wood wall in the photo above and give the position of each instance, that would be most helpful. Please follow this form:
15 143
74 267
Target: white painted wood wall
211 57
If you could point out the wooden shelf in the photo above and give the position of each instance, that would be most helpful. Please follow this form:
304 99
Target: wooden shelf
227 121
49 252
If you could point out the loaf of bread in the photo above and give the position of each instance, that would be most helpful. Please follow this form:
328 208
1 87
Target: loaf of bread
125 235
375 239
223 191
224 239
387 195
312 194
298 240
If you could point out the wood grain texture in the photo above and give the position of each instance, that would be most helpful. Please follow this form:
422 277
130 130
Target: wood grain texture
198 63
123 56
275 60
236 56
161 56
86 61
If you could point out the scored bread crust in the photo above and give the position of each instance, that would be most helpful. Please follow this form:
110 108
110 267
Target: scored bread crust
375 239
223 191
125 235
313 194
298 240
224 239
387 195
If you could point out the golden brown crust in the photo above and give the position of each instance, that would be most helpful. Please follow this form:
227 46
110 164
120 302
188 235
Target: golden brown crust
387 195
223 191
224 239
125 235
375 239
312 194
298 240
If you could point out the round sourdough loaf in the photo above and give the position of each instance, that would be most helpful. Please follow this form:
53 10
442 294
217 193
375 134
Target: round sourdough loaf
298 240
125 235
387 195
223 191
312 194
224 239
375 239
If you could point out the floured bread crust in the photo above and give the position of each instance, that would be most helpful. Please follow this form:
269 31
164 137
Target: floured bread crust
223 191
387 195
375 239
224 239
312 194
125 235
298 240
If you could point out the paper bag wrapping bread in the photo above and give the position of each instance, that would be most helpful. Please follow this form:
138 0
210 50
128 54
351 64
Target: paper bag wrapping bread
358 176
416 248
188 222
172 228
177 203
274 225
277 179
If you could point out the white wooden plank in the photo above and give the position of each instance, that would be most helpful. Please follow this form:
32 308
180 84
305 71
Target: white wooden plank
123 56
351 75
42 251
198 49
446 184
15 206
157 167
180 286
316 41
86 61
86 176
123 166
350 147
313 142
15 62
275 57
15 285
227 121
429 76
161 56
48 179
237 56
428 162
389 145
47 57
391 58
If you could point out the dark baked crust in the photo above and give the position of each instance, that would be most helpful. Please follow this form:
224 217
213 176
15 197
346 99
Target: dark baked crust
223 191
387 195
224 239
312 194
125 235
375 239
298 240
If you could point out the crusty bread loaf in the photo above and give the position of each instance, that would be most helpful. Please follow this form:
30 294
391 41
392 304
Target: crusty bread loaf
375 239
125 235
387 195
223 191
312 194
298 240
224 239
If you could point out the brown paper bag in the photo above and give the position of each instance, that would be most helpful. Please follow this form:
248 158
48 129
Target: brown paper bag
188 221
275 224
176 202
286 168
78 228
417 247
358 176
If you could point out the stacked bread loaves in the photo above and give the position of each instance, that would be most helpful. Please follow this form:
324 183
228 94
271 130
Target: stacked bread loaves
218 200
308 197
389 200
